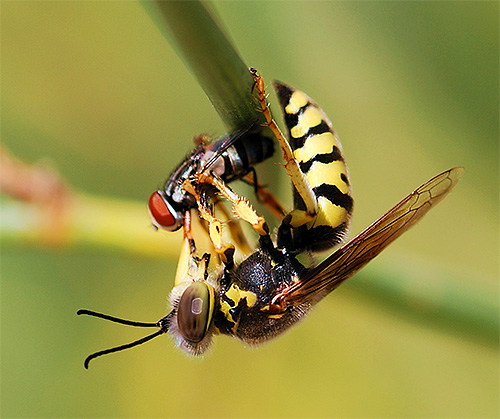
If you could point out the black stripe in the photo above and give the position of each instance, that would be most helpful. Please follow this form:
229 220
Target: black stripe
291 120
284 92
318 129
334 195
316 239
228 300
334 155
324 237
258 148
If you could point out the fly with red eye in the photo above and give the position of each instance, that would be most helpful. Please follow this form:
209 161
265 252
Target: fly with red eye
229 159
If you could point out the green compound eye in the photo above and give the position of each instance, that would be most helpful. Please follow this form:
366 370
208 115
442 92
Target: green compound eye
195 311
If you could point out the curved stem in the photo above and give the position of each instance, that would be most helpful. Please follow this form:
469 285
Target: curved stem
208 53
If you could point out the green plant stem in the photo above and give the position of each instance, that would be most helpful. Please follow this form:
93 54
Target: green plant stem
87 222
207 52
434 296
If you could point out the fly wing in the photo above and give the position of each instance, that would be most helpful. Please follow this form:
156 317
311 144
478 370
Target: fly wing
355 254
222 145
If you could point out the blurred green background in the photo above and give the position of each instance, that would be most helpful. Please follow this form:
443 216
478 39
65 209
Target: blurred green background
94 89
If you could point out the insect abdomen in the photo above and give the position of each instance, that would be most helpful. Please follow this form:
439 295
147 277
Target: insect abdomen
319 154
242 156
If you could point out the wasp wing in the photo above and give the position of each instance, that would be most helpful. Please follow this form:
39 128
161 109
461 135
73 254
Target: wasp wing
347 260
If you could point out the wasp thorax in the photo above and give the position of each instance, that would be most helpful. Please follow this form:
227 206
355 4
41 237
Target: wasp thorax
162 213
194 311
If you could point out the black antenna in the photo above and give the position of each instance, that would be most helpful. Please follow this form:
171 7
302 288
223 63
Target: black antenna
116 319
162 324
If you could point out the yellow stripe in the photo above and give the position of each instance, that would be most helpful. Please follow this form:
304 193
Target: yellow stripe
317 144
311 117
297 100
328 173
211 308
329 214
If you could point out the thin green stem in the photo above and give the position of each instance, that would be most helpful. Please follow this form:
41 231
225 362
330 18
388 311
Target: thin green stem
206 50
434 296
86 222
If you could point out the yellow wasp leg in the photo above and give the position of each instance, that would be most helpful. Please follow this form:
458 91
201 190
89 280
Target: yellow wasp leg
235 229
299 181
225 250
241 206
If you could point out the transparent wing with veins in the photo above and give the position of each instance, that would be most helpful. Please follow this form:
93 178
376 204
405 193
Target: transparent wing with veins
355 254
222 147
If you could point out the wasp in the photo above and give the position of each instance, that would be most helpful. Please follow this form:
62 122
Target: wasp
270 290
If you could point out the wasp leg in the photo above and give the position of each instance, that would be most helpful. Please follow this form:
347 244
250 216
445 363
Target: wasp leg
235 229
266 198
254 181
297 217
241 206
224 250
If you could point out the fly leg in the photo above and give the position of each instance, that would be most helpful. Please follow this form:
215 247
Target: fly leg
266 197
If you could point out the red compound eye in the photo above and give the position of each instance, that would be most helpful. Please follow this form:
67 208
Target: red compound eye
160 211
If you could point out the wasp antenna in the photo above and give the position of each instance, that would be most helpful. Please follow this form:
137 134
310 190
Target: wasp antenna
116 319
120 348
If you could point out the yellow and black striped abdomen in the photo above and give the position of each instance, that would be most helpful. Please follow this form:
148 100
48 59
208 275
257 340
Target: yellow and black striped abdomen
319 154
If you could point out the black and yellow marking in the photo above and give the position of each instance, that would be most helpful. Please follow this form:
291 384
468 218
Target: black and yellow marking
319 155
232 302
